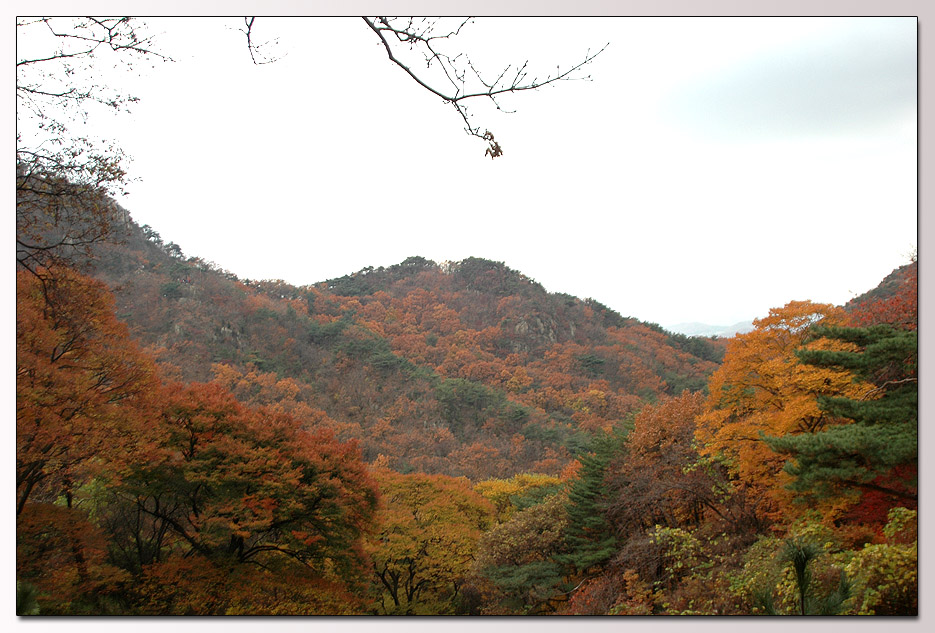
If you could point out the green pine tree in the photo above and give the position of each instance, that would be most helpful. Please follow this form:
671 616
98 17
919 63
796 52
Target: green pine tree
883 433
590 540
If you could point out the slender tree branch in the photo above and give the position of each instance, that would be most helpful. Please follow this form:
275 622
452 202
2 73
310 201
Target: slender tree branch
456 69
888 383
253 47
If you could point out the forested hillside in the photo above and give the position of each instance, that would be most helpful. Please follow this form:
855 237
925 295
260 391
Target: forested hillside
466 368
448 438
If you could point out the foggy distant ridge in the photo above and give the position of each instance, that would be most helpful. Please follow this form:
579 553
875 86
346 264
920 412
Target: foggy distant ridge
703 329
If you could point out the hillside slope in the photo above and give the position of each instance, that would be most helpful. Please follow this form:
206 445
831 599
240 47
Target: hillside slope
468 368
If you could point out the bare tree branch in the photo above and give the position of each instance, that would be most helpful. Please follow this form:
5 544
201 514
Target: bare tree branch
459 80
64 181
256 55
463 81
888 383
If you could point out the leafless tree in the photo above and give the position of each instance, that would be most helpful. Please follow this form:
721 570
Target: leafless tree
450 76
64 179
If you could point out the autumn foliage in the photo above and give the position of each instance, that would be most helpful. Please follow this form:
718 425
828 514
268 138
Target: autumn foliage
429 529
762 389
450 439
122 477
84 391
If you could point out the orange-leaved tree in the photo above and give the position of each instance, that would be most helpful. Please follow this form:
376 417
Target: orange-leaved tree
64 555
762 389
233 485
83 389
84 396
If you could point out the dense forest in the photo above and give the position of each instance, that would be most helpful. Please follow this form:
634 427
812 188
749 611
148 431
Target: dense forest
444 438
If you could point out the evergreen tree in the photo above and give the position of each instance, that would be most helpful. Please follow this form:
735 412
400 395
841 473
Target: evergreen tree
883 434
590 540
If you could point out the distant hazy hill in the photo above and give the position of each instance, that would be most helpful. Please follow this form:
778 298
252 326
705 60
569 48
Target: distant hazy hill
703 329
902 281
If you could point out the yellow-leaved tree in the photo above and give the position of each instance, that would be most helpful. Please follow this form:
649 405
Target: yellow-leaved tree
429 526
518 492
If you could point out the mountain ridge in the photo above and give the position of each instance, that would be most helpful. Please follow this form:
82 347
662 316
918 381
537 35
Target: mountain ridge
465 368
695 328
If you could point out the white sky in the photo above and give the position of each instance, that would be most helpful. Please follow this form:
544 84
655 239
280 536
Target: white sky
711 170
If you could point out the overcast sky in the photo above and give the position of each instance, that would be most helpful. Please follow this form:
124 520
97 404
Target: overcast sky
711 170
